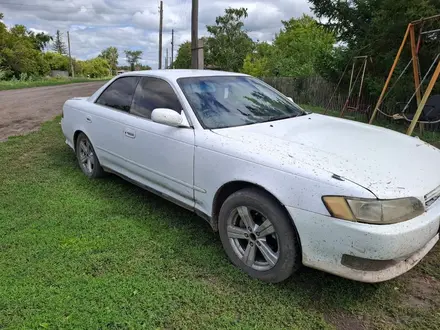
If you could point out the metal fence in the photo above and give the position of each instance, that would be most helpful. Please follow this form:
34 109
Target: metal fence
321 95
316 92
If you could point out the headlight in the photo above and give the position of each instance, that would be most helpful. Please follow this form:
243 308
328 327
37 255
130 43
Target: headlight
374 211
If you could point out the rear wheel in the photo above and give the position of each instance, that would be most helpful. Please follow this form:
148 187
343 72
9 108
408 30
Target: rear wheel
258 236
87 159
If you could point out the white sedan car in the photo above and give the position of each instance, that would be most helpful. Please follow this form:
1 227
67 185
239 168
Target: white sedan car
283 187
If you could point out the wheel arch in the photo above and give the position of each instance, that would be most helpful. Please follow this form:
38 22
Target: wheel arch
77 133
231 187
75 137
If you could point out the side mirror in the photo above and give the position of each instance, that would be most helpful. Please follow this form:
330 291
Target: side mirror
169 117
290 98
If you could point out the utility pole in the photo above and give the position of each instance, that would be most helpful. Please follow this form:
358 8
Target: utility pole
160 34
166 59
200 55
194 34
172 49
70 56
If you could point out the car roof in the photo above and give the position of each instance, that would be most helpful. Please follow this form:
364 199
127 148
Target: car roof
174 74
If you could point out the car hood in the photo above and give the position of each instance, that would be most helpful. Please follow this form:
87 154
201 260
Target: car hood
387 163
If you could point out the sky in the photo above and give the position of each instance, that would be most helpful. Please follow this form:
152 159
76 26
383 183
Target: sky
133 24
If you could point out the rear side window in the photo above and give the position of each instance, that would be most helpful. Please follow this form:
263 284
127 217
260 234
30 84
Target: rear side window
152 93
119 94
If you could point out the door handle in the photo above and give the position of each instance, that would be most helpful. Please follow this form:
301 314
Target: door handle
130 134
88 119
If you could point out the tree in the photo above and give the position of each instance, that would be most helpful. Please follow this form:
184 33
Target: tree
94 68
19 31
41 40
228 43
299 45
57 61
133 57
111 55
18 53
23 58
58 45
376 28
297 51
259 63
183 58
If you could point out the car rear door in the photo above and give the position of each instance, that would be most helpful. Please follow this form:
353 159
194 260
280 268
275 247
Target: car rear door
107 119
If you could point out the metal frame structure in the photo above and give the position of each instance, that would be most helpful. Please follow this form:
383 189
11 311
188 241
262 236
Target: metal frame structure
415 45
362 69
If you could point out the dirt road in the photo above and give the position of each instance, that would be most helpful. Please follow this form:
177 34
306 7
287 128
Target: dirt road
23 110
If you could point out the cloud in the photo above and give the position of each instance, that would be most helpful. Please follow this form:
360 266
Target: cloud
38 31
130 24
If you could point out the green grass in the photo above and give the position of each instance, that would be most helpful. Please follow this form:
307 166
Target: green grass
103 254
6 85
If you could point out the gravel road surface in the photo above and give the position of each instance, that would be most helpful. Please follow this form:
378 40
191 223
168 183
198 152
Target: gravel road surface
24 110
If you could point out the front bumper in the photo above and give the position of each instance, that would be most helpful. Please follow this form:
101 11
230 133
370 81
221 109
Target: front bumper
327 241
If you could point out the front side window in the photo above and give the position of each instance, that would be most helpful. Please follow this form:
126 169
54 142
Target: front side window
152 93
228 101
119 94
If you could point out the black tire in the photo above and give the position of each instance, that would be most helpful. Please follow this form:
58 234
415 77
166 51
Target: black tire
91 168
263 206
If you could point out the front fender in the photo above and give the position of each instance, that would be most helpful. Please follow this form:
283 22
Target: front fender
213 169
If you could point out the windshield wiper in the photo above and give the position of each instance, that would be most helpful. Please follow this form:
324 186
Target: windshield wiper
274 118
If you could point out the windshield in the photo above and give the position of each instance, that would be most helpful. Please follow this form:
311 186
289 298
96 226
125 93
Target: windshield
228 101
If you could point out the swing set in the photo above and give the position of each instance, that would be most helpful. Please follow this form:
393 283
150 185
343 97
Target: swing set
348 104
418 80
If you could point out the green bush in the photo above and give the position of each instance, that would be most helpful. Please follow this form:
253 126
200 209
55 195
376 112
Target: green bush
57 61
3 75
94 68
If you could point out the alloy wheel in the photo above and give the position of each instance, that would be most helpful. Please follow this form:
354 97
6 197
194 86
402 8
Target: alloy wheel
86 156
253 238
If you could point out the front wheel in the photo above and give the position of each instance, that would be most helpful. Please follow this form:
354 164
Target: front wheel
258 236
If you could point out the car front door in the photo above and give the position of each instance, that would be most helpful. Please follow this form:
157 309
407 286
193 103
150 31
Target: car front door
157 155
